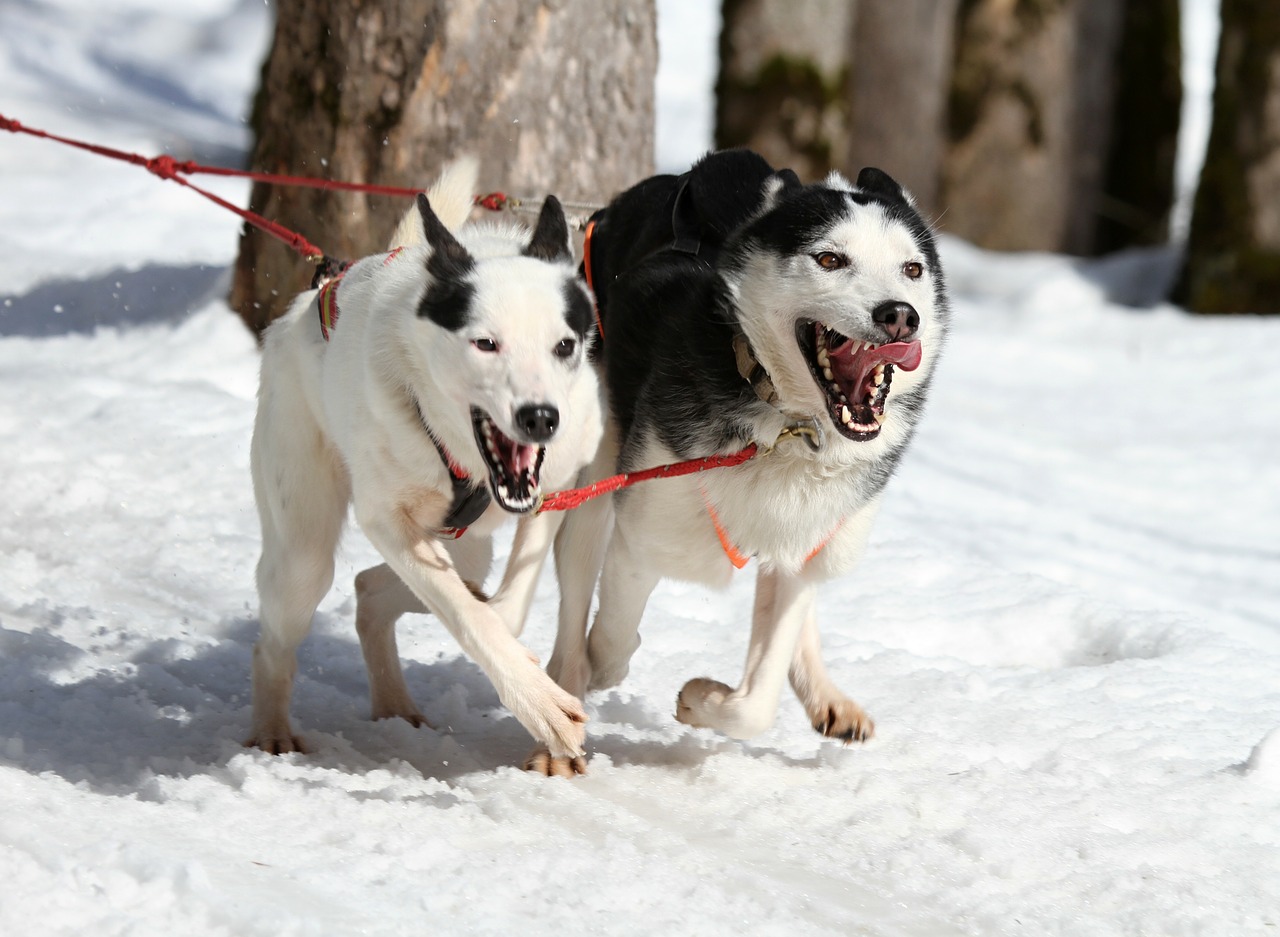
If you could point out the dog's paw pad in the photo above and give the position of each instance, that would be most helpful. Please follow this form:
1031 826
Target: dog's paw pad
542 762
844 721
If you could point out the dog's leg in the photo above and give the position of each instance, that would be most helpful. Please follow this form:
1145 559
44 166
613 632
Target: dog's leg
579 550
299 535
782 604
549 713
831 712
625 586
529 549
381 598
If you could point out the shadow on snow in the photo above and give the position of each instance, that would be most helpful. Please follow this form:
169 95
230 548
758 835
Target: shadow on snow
154 294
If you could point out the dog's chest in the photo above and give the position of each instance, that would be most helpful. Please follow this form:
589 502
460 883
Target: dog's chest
777 511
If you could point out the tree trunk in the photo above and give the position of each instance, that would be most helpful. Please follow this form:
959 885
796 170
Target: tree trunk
1028 120
1138 181
1233 250
901 57
782 74
555 96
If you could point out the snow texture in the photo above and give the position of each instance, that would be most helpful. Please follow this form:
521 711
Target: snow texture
1067 627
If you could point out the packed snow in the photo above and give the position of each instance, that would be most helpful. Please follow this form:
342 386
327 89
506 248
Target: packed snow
1067 626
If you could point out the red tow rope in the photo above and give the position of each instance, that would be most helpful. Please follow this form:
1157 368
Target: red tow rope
166 167
567 500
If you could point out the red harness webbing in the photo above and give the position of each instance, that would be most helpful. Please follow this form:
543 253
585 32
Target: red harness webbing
566 500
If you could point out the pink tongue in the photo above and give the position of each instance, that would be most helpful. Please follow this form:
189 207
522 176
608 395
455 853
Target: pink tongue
905 355
523 458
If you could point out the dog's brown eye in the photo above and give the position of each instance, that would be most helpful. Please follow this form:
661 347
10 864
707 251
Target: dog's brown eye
565 348
829 260
485 344
913 269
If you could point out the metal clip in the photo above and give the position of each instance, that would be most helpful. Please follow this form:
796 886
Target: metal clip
807 429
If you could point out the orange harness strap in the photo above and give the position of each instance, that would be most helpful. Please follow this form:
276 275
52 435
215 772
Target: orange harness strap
586 269
736 556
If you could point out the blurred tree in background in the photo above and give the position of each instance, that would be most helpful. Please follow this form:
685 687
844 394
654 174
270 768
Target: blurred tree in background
1233 252
552 97
1138 175
1033 124
901 57
782 81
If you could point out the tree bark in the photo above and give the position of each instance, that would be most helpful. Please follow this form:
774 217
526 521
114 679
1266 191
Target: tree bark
1233 250
901 56
554 96
1028 120
782 75
1138 180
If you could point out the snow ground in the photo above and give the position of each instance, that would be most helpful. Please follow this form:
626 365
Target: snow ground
1067 627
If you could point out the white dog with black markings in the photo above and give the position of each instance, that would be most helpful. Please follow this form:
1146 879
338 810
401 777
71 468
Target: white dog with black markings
436 387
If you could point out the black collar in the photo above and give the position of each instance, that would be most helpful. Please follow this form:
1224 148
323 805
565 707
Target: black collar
469 500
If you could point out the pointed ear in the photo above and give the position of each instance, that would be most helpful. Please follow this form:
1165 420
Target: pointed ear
879 182
447 254
550 239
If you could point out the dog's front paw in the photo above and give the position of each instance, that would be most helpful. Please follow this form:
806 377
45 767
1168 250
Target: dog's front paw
277 743
844 720
552 716
541 761
699 701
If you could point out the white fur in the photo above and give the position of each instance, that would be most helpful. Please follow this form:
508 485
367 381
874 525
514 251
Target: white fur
337 425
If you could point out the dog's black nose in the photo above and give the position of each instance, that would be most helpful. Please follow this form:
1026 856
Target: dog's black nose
538 421
900 320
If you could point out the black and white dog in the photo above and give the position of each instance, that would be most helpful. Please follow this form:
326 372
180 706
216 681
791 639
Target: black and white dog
453 386
738 306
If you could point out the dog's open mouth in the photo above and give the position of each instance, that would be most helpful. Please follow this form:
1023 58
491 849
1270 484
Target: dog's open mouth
513 466
855 376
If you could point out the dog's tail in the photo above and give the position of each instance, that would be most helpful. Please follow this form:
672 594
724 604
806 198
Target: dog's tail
452 197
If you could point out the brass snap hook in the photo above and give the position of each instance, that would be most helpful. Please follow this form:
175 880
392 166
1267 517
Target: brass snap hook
807 429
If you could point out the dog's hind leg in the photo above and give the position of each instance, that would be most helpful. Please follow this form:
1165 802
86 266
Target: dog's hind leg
579 549
831 712
782 604
302 518
625 586
381 598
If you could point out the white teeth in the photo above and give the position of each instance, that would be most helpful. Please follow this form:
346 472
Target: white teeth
823 356
878 377
845 415
828 374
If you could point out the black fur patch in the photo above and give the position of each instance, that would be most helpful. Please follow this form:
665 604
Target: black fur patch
577 308
447 303
448 299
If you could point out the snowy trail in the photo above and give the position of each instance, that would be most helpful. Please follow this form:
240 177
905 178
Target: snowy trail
1067 627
